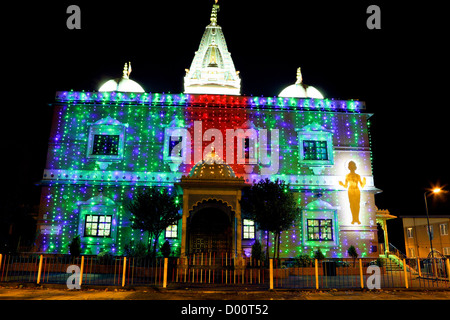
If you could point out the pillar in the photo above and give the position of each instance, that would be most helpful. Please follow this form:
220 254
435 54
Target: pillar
184 224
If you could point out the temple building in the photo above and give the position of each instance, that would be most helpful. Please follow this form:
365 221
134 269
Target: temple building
206 144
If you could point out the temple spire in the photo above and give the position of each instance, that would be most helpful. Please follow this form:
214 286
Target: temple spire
214 11
212 70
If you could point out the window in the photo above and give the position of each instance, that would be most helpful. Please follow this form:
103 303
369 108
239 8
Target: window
409 232
173 142
315 150
247 148
105 145
106 142
250 155
172 231
320 229
315 146
176 142
412 254
98 226
249 229
443 228
446 251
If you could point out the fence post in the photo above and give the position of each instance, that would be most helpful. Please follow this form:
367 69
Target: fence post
361 273
81 270
166 262
405 273
418 267
124 270
39 269
316 270
270 274
447 264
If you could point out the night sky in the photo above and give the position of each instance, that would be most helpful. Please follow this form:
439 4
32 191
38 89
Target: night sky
398 71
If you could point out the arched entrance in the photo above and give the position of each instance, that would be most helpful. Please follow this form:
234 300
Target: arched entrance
210 230
211 220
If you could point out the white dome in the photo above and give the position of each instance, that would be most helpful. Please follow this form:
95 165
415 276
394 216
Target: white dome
300 90
122 85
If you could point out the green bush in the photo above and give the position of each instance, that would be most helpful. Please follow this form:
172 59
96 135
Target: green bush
319 255
352 252
105 258
138 250
303 260
257 252
165 249
75 247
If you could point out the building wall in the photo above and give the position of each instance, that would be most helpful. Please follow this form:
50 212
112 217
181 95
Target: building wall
417 242
72 176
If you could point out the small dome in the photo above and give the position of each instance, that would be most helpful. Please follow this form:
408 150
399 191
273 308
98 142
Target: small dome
124 84
212 168
300 90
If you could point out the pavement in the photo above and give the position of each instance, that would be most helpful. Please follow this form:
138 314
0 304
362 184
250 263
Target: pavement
60 292
235 302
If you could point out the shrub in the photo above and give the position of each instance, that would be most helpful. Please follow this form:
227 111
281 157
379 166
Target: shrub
75 247
165 249
138 250
105 257
319 255
352 253
303 260
257 253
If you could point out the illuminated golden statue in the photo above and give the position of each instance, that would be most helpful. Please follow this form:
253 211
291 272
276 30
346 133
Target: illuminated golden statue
354 194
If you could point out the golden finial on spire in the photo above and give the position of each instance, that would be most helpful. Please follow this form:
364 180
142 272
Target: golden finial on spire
214 11
299 76
125 71
129 69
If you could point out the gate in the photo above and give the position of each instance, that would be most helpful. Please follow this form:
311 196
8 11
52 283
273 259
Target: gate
219 268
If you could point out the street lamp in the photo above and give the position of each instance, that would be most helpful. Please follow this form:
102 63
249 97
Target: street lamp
435 191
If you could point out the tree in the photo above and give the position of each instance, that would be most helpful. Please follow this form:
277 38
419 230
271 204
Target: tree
153 211
319 255
165 249
273 208
257 252
75 247
352 253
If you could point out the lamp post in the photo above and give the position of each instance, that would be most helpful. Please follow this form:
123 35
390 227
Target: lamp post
435 191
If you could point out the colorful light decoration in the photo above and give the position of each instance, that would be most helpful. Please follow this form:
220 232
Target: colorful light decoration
154 99
72 177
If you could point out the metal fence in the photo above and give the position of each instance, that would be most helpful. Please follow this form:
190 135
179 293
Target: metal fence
362 273
92 270
210 269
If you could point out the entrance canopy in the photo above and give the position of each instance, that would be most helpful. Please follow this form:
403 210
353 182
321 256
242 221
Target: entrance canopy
211 219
